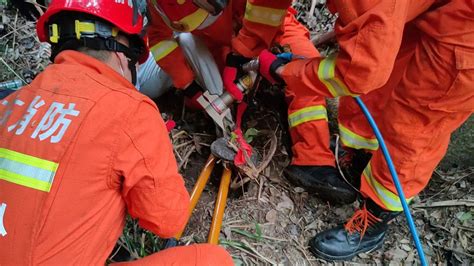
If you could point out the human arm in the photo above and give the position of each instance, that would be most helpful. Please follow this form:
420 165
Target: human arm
167 53
369 37
261 22
152 188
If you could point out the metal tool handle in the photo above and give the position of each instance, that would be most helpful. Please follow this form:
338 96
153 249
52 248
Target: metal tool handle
252 65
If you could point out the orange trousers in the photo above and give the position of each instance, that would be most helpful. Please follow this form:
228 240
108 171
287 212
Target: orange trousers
198 254
427 97
307 116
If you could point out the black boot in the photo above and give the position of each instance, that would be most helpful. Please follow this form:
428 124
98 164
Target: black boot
323 180
352 164
364 232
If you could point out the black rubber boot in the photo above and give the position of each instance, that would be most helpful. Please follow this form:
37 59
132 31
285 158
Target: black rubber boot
352 164
323 180
364 232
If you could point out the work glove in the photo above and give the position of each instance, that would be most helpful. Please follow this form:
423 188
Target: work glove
232 73
270 62
191 94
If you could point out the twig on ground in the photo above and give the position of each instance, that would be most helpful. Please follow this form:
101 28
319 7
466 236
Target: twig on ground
298 246
14 35
15 30
183 144
186 157
268 158
470 229
454 250
445 189
115 253
312 8
11 69
179 134
246 251
257 253
260 187
445 203
177 154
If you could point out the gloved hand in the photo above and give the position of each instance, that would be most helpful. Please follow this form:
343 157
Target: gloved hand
232 73
191 94
269 63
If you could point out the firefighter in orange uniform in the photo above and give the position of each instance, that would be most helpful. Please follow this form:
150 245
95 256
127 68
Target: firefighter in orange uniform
235 30
412 62
80 147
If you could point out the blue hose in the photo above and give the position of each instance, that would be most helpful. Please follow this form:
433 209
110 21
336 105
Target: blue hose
391 167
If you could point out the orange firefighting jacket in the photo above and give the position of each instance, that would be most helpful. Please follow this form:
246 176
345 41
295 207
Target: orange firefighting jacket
79 148
369 34
248 26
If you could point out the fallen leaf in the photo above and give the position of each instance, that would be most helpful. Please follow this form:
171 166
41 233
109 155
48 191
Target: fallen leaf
313 225
404 241
410 258
406 247
286 203
271 216
298 189
293 230
464 216
396 254
436 214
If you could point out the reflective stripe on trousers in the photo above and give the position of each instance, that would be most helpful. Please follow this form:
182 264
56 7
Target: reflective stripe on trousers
352 140
26 170
311 113
390 200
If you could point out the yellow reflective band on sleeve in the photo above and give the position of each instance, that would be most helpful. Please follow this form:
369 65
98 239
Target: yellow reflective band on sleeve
352 140
327 75
390 200
163 48
317 112
193 21
264 15
26 170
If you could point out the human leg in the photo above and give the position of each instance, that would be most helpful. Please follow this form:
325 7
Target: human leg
197 254
313 163
433 98
152 80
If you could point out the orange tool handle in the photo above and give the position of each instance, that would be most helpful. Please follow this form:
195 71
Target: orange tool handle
219 207
198 188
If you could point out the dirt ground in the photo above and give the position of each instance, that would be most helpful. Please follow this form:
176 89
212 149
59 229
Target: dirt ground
268 221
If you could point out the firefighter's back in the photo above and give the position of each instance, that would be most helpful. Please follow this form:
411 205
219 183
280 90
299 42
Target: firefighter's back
60 200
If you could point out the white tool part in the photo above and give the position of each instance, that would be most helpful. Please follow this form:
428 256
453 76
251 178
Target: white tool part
217 107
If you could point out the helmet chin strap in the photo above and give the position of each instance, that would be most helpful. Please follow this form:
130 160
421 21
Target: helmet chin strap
133 70
132 67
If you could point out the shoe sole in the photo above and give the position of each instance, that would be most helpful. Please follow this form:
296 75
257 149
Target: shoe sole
327 257
332 194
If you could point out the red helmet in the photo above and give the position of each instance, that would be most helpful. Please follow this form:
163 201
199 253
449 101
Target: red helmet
188 15
126 15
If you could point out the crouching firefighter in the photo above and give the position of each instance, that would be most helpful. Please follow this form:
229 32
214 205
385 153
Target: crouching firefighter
80 148
416 76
